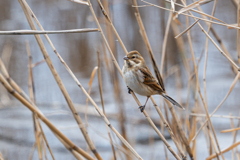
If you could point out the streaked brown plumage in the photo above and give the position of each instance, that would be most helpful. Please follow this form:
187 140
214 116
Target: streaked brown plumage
139 78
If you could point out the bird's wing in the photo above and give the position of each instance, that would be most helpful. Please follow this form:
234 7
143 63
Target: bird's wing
149 80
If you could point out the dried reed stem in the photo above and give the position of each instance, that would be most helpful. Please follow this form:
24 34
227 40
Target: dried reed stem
206 54
191 132
37 126
43 118
235 2
1 157
164 46
173 112
32 151
12 82
202 13
215 116
180 44
230 130
75 154
38 63
6 55
224 151
192 5
27 11
146 41
37 131
188 28
44 149
102 102
211 143
80 2
89 92
157 131
114 75
235 137
31 88
230 90
45 139
32 32
104 38
168 128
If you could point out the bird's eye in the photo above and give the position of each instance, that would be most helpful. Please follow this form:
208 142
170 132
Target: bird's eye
133 57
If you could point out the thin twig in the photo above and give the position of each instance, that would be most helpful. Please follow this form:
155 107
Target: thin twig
89 92
31 152
80 2
74 153
165 39
45 140
38 63
187 29
37 131
33 32
214 116
102 102
224 151
230 130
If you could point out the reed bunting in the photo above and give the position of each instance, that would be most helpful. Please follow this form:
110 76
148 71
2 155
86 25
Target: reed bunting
139 78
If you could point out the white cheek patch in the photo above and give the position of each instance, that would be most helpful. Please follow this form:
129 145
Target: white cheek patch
132 63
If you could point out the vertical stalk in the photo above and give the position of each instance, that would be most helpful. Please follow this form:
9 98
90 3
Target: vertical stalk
102 102
146 41
37 132
59 81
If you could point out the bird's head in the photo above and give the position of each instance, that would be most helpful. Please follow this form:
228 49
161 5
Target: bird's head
134 58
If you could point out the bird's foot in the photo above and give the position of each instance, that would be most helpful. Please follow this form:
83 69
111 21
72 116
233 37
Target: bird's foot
142 108
129 90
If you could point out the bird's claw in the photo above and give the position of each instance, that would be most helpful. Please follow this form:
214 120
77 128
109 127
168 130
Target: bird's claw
142 108
129 90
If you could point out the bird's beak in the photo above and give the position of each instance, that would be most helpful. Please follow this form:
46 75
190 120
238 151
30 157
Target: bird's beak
125 58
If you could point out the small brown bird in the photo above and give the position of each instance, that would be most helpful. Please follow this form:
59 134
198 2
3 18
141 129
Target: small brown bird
139 78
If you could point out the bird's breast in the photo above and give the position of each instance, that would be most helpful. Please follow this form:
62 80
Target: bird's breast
134 81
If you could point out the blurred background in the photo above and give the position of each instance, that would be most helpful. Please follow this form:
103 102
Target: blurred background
79 50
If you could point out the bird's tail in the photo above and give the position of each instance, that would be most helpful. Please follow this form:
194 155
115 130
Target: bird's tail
172 101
